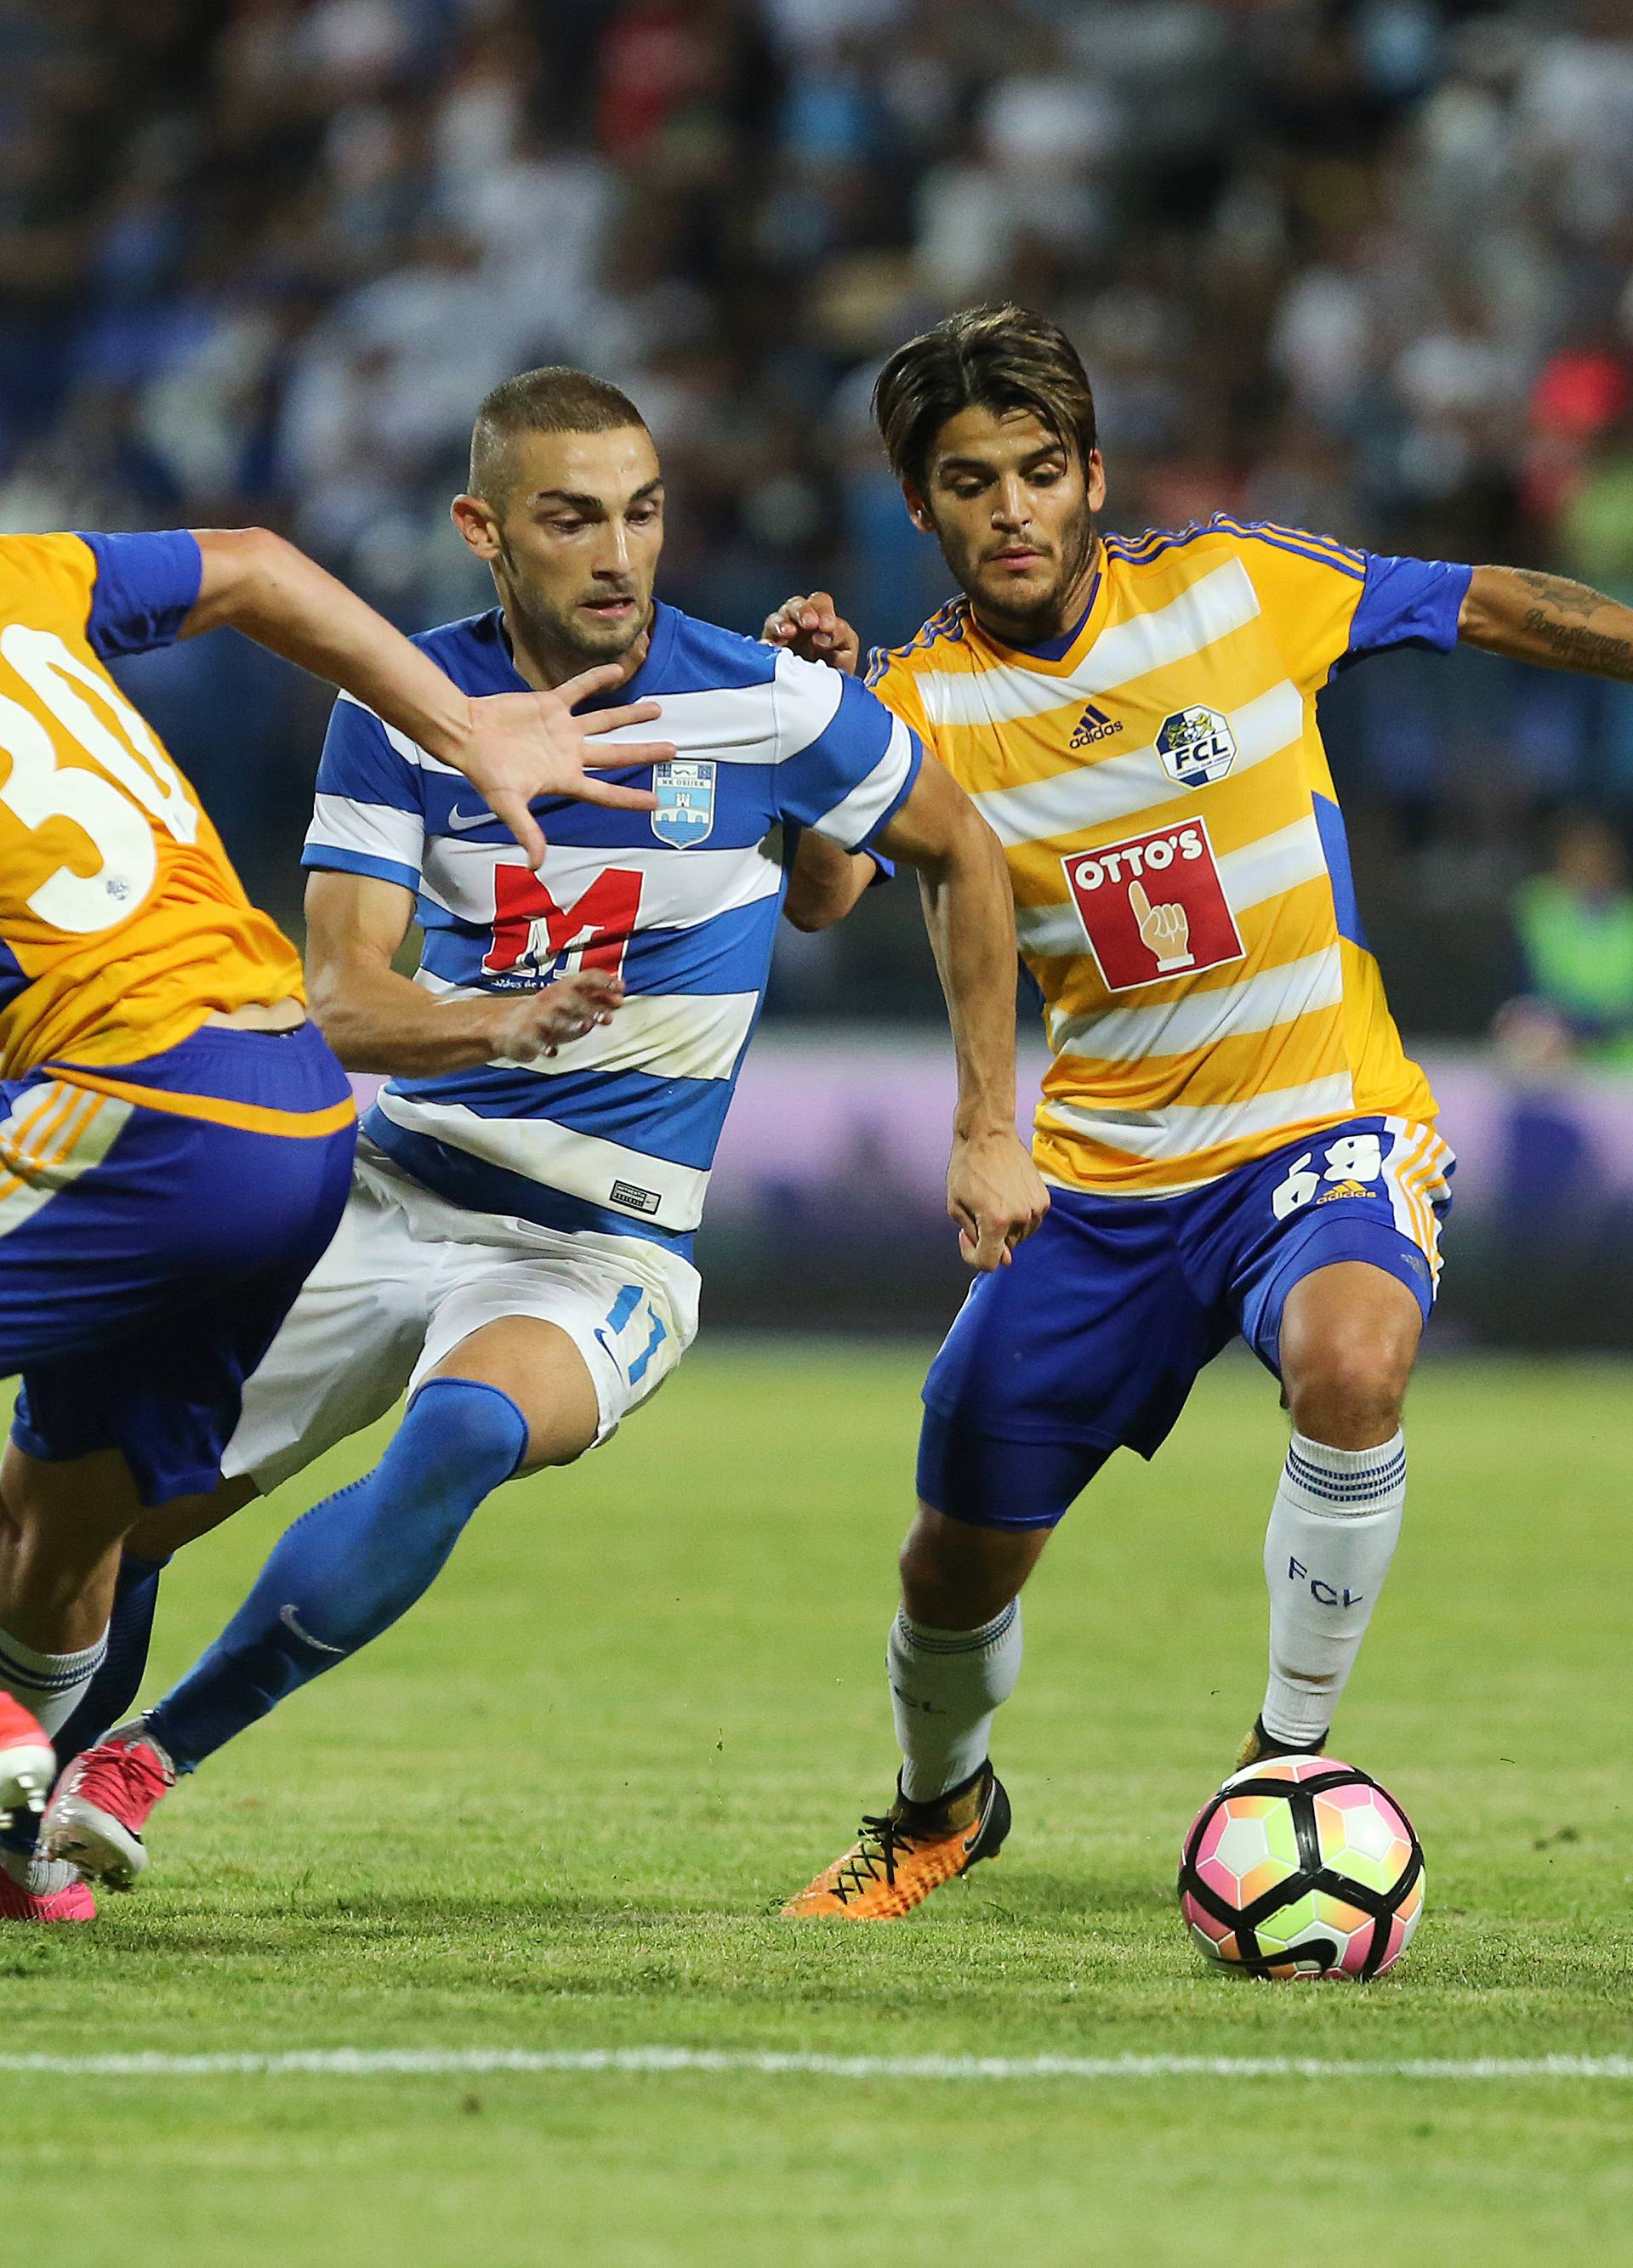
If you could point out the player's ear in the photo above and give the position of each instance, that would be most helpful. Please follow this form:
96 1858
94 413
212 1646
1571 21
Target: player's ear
1093 480
918 511
478 524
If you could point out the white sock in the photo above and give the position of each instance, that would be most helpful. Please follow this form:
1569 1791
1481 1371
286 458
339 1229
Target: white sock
944 1687
1332 1533
50 1685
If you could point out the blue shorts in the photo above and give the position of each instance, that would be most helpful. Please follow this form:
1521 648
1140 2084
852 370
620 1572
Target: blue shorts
147 1257
1093 1338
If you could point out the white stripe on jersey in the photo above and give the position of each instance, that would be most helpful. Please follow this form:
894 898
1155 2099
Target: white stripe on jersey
410 751
582 1165
1183 1128
1258 871
375 830
665 1034
678 890
1215 604
853 819
1200 1019
1133 782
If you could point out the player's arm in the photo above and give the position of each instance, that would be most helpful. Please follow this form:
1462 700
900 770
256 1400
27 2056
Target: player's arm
377 1019
825 882
994 1190
512 747
1548 620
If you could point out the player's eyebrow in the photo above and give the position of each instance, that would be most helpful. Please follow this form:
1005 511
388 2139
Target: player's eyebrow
593 507
984 465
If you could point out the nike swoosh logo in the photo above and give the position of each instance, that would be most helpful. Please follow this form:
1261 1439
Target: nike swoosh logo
462 823
286 1616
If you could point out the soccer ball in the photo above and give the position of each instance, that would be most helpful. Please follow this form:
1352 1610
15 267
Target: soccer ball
1302 1866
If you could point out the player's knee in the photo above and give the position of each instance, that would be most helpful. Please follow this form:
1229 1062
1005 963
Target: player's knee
955 1576
1347 1389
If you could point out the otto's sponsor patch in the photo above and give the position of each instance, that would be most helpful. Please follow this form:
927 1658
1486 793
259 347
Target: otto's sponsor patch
1153 907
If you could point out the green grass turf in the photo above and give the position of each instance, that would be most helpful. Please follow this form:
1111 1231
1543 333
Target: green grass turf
558 1808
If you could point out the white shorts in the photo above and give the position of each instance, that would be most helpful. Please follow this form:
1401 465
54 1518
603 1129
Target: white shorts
407 1275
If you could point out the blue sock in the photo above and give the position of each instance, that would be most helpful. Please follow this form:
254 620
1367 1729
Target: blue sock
116 1685
351 1567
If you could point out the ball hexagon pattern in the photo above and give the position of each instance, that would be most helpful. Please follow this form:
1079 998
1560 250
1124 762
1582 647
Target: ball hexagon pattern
1302 1866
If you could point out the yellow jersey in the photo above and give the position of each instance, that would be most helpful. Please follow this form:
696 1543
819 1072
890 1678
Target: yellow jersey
1182 884
122 925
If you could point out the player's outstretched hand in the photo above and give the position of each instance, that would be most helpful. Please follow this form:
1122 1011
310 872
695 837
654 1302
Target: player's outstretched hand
815 629
537 1024
526 745
995 1194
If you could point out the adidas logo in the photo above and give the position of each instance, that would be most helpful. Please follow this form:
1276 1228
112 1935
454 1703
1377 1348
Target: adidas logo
1094 724
1344 1189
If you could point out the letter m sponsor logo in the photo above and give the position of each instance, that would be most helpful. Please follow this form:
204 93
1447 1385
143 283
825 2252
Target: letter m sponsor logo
529 927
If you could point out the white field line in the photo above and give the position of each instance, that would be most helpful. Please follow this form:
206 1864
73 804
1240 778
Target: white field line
438 2063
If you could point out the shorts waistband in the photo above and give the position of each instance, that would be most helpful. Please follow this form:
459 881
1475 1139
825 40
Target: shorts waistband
285 1083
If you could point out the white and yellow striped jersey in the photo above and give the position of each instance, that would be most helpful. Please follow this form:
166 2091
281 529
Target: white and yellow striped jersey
1182 883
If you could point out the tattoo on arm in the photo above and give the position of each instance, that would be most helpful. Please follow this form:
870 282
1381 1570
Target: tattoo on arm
1558 622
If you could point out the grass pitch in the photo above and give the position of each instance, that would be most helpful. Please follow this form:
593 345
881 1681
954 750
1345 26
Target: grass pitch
556 1809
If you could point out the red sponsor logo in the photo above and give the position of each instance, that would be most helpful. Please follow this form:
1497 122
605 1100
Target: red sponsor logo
529 927
1153 907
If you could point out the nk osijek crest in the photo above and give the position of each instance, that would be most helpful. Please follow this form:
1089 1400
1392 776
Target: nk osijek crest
1197 746
685 792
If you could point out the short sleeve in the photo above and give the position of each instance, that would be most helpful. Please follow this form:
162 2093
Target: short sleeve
845 764
1407 603
145 587
367 816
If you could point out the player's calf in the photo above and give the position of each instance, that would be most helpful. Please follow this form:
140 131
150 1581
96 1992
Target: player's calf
1349 1337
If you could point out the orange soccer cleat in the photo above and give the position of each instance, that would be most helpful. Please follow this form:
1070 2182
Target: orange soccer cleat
27 1762
900 1857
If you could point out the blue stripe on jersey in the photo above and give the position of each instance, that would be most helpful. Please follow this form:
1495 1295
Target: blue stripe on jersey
359 762
1408 602
844 753
676 1119
326 857
473 1182
727 953
1335 851
1137 549
146 586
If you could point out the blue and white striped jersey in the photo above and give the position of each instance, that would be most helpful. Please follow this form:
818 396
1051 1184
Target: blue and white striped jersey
615 1133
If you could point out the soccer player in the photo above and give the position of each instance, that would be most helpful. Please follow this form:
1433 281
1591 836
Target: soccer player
516 1249
1234 1139
158 1062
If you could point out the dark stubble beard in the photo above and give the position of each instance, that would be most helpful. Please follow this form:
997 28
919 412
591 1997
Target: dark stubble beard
1047 619
550 636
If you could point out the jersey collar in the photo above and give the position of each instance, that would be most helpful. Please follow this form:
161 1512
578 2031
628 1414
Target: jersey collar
1057 655
648 679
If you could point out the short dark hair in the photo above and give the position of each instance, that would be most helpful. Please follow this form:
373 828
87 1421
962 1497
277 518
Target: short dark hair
999 358
555 399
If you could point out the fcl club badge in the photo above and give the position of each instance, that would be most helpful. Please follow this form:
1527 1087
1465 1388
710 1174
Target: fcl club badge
685 794
1197 746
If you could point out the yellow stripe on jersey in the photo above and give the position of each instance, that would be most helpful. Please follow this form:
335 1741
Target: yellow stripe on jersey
1181 885
122 925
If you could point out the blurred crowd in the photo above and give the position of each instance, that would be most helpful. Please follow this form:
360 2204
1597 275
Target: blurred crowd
1360 265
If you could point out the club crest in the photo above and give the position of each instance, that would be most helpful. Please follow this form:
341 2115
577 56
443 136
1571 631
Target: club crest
1197 746
685 794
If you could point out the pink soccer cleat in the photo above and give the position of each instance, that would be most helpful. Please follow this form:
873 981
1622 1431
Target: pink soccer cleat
103 1800
37 1889
27 1762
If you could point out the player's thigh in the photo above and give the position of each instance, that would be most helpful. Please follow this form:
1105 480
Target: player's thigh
160 1534
1333 1254
578 1337
1089 1341
346 1348
1348 1339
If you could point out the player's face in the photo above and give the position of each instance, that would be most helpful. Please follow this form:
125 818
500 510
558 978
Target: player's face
575 543
1013 509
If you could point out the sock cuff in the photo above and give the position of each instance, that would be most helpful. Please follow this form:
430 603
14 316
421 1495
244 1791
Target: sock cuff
923 1639
47 1673
495 1415
1347 1480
